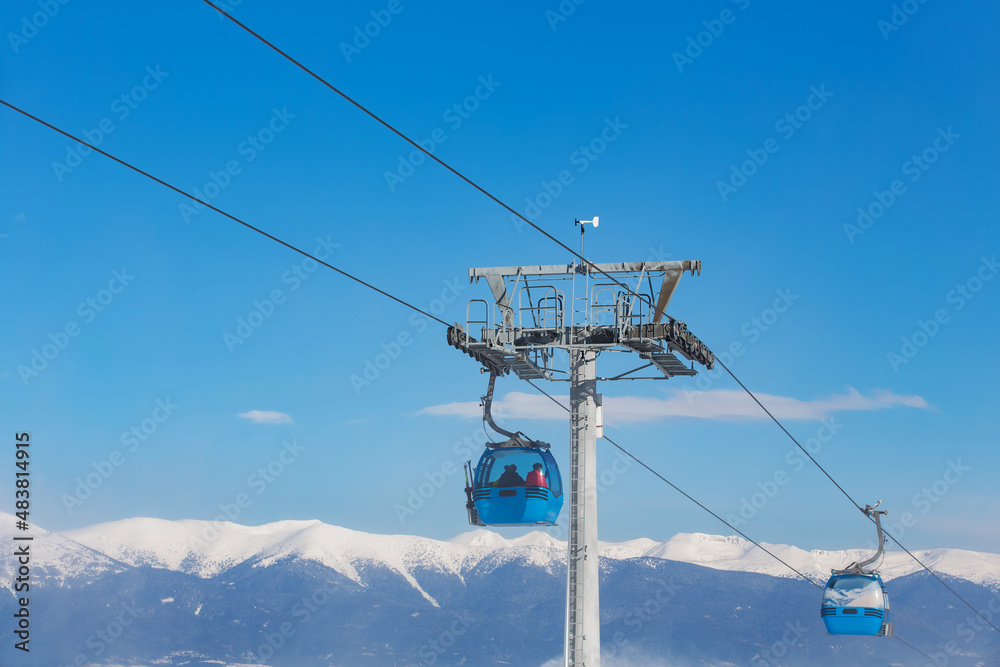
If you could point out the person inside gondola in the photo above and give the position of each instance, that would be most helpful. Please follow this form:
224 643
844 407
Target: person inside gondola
510 477
536 477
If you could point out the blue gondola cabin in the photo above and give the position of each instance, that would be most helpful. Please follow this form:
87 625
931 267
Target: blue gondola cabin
516 486
856 604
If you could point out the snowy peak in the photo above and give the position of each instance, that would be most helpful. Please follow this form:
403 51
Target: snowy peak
56 559
207 549
202 548
481 538
736 554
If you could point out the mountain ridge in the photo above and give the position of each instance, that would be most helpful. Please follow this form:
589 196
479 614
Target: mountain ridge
206 548
304 593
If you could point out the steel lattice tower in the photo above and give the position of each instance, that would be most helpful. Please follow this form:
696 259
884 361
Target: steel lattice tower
536 312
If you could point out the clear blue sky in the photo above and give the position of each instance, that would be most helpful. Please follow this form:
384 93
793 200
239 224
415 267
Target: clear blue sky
837 105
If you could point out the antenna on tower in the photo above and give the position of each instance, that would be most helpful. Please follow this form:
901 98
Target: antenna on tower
593 222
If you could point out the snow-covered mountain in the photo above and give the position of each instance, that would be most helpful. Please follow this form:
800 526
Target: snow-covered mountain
55 559
736 554
206 549
306 593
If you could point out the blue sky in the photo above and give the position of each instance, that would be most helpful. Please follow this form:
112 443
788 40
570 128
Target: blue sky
834 110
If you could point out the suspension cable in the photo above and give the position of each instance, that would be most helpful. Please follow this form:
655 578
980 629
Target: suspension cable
916 649
220 211
733 528
684 493
781 426
416 145
853 502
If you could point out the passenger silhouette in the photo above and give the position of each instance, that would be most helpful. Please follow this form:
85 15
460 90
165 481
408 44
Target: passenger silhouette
510 477
536 477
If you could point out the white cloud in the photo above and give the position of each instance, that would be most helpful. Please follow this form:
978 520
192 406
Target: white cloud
515 405
720 404
266 417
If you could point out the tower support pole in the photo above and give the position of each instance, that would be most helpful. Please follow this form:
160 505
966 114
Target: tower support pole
583 622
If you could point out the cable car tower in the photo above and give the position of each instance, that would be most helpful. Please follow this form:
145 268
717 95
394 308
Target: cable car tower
540 312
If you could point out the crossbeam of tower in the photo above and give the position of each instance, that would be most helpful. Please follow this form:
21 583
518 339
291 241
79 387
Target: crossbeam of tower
575 308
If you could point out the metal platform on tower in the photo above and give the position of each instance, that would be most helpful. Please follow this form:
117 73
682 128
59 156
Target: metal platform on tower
536 310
